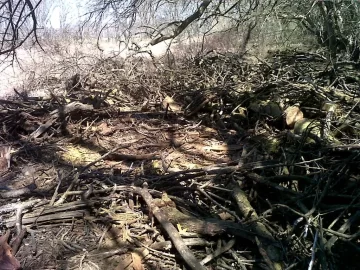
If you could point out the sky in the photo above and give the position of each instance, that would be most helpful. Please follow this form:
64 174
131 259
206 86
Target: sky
60 8
55 18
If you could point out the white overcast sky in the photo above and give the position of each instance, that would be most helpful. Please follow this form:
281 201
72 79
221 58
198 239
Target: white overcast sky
69 8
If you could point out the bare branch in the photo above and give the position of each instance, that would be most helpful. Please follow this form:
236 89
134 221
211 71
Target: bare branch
17 24
184 24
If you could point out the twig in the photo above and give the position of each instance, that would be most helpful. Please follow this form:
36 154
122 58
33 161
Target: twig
109 153
272 255
72 184
343 229
174 235
18 220
219 205
313 251
218 252
59 179
18 240
11 207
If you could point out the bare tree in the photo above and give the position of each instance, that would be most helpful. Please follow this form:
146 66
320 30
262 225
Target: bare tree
165 20
334 24
18 23
43 12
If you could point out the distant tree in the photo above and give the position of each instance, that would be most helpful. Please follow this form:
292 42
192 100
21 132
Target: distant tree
334 24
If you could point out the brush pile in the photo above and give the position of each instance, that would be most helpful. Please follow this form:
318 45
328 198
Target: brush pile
223 162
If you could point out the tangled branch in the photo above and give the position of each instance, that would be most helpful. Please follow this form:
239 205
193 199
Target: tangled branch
17 24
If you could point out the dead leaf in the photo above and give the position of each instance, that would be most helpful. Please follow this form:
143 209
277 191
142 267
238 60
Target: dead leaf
180 229
7 259
136 262
293 114
226 216
328 106
104 129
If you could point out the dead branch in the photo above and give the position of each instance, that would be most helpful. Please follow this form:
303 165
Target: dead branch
174 235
